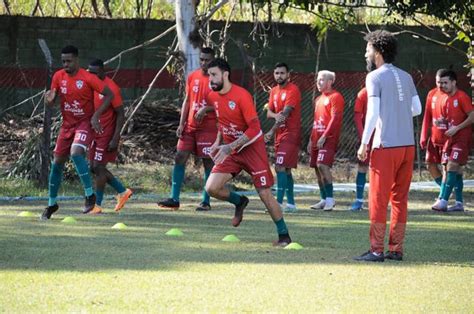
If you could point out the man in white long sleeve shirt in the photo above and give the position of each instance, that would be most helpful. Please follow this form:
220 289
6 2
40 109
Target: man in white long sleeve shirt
392 103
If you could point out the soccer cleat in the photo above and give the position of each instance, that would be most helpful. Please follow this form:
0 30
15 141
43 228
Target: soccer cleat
440 205
283 240
96 210
395 256
370 257
319 205
122 199
330 203
357 206
203 207
290 208
239 211
169 203
458 207
89 204
48 211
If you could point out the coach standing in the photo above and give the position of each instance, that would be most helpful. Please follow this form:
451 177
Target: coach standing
392 103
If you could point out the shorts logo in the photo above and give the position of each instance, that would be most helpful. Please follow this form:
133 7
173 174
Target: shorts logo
79 84
455 103
196 88
232 105
283 96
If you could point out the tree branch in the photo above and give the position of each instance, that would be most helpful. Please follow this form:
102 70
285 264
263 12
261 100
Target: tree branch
7 7
430 40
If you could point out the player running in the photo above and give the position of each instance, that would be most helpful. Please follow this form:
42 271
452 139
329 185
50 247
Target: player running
284 105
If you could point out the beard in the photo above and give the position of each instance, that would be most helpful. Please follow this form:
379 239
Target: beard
370 65
217 86
281 81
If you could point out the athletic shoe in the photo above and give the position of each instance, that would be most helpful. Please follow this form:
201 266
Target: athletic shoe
357 206
169 203
96 210
283 240
440 206
48 211
203 207
239 211
458 207
89 204
290 208
319 205
395 256
122 198
330 203
370 257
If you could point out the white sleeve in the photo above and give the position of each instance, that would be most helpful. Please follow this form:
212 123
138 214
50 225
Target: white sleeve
373 113
415 105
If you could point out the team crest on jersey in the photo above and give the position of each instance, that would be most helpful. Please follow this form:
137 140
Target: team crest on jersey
326 101
455 103
283 97
232 105
79 84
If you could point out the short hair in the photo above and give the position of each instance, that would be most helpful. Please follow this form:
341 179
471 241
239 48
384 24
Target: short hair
97 63
331 75
448 73
220 63
281 65
440 71
70 49
207 50
383 42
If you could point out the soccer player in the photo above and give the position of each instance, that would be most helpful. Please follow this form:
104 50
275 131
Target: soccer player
104 148
392 103
434 126
360 110
322 145
239 146
197 131
459 112
75 88
284 105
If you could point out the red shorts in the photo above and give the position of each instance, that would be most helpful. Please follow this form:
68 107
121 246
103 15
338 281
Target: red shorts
323 156
253 159
98 150
198 142
286 153
434 153
80 134
456 152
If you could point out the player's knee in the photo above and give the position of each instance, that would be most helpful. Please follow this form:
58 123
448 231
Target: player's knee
211 188
279 168
181 158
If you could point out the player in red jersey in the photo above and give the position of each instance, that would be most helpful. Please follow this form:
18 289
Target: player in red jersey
104 148
322 145
197 131
459 112
360 111
434 126
284 105
239 146
75 88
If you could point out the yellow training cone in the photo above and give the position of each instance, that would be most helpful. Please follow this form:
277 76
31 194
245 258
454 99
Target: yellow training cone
69 220
26 214
230 238
294 246
175 232
120 226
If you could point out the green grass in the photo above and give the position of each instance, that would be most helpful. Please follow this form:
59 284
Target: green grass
89 267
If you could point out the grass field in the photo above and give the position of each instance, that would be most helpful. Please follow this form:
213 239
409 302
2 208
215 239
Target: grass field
89 267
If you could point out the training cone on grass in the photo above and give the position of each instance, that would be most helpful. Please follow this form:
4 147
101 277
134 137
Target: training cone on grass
231 238
175 232
69 220
294 246
26 214
120 226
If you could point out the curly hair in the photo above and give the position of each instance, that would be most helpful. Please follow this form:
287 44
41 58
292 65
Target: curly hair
383 42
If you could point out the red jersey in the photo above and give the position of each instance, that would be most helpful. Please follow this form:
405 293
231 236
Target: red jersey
76 94
456 110
235 111
433 119
328 110
287 96
197 89
360 107
107 119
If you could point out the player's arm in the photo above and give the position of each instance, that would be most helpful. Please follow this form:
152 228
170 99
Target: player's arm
108 96
358 118
467 122
280 118
203 112
119 121
334 123
373 114
427 121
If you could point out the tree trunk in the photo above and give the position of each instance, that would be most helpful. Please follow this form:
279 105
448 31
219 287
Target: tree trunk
185 24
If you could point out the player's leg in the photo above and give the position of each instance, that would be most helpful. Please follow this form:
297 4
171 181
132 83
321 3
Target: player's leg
99 171
54 182
433 160
204 141
313 163
275 212
206 198
290 192
177 179
399 201
282 182
78 152
458 189
326 175
361 179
